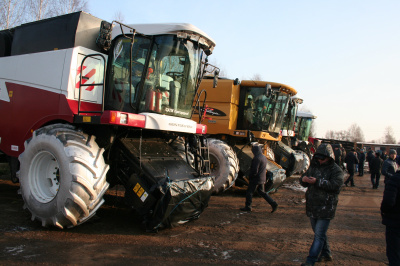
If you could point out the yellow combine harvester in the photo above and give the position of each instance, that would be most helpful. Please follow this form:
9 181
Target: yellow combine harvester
238 113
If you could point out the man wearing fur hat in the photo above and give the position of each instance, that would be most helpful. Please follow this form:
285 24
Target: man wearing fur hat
323 180
389 166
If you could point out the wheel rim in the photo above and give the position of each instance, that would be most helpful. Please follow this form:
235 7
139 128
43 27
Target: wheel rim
44 176
270 154
214 164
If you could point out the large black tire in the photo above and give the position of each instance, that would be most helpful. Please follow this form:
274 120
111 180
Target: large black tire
306 162
62 176
179 146
224 165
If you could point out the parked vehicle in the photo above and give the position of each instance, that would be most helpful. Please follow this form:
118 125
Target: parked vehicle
86 104
239 113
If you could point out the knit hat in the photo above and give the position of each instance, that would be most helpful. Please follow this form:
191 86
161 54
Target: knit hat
392 151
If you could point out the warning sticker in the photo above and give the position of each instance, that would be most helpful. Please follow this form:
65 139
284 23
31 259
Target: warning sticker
144 196
140 192
136 188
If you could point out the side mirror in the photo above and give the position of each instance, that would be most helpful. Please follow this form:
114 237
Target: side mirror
216 74
103 41
250 136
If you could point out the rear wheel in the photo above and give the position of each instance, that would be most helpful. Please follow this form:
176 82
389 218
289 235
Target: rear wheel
224 164
62 176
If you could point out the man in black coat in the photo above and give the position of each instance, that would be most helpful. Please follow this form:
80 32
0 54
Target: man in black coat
323 180
375 167
390 211
351 160
257 179
338 155
361 159
370 156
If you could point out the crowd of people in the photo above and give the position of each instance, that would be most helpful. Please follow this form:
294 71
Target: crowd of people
324 180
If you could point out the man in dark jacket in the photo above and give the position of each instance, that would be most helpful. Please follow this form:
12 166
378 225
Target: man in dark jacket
351 160
361 159
375 167
370 156
338 155
384 156
323 179
390 211
257 178
389 166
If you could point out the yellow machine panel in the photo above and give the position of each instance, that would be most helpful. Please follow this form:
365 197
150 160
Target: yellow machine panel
225 92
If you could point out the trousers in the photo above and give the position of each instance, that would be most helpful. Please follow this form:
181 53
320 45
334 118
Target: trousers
375 177
393 245
320 245
260 189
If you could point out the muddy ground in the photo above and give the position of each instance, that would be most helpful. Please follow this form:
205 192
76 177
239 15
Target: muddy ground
223 235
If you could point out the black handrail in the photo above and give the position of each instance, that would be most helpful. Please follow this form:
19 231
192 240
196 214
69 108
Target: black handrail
95 84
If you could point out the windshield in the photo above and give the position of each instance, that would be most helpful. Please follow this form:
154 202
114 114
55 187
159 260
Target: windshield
303 126
165 75
262 112
171 79
290 117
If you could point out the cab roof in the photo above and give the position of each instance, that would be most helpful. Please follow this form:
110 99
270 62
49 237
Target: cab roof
164 28
306 114
257 83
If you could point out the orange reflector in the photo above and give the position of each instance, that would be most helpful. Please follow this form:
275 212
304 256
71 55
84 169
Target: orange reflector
113 117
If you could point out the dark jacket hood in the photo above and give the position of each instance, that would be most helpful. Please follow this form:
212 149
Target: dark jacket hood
256 149
326 149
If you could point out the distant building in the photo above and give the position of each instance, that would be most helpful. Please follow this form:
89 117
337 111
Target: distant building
379 146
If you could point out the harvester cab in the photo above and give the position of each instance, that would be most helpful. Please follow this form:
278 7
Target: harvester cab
88 96
268 120
302 132
289 124
303 124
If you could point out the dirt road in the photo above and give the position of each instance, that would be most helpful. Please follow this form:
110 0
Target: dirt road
222 236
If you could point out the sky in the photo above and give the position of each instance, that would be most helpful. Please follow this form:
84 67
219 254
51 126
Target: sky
342 56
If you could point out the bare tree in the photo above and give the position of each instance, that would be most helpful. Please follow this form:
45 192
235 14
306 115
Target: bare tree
39 9
214 62
61 7
330 134
256 77
118 16
355 133
11 13
343 135
389 136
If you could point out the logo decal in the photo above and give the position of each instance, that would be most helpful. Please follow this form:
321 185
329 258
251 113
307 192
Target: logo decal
239 133
211 111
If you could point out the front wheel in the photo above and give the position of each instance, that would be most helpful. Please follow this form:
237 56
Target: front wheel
62 176
224 164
